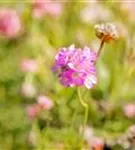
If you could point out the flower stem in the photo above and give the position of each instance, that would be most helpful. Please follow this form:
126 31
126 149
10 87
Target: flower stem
101 46
86 109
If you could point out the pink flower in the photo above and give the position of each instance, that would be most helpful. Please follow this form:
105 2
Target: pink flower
28 90
76 66
129 110
43 7
10 24
44 102
33 111
29 65
97 143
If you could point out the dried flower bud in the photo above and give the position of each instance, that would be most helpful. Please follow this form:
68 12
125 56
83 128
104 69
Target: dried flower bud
107 31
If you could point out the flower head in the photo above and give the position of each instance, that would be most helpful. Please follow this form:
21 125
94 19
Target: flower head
10 24
76 66
107 31
44 102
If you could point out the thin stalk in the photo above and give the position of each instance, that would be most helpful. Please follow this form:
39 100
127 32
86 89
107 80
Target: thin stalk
101 46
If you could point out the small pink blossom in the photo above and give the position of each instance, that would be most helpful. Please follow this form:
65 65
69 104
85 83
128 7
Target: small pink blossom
97 143
10 24
28 90
43 7
33 111
44 102
129 110
29 65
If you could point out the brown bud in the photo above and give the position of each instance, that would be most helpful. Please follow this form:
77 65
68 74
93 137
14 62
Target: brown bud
107 31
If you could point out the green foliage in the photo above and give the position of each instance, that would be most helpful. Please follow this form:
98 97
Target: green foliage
40 40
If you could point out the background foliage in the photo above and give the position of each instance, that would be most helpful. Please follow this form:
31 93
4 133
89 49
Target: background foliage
40 40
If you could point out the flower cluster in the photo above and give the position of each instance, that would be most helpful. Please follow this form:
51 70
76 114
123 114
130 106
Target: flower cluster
10 23
76 66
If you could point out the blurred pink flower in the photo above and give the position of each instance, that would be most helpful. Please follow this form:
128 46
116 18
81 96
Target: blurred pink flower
32 111
44 102
29 65
97 143
10 24
28 90
129 110
43 7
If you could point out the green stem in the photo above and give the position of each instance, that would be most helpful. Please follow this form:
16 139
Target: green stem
86 109
101 46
